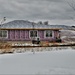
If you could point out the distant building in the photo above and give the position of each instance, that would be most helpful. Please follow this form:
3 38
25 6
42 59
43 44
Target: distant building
20 30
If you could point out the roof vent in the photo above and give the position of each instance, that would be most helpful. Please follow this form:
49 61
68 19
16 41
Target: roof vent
40 22
46 22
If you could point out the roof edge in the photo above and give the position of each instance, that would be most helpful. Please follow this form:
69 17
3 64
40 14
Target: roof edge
30 29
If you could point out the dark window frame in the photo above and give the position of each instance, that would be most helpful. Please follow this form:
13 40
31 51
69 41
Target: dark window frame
33 33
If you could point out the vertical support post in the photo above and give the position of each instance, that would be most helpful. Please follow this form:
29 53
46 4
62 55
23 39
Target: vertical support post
33 39
33 31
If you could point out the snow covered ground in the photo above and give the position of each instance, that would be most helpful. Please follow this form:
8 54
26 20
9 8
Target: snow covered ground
45 62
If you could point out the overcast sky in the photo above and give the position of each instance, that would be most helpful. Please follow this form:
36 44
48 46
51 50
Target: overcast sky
55 11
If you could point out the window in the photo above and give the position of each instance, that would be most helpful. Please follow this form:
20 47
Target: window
3 33
48 33
33 33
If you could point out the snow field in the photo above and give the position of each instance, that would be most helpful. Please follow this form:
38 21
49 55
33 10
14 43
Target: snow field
45 62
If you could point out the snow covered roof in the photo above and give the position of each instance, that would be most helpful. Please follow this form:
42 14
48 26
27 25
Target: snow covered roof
22 24
25 24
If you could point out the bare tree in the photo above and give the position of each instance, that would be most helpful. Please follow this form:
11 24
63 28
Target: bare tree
71 3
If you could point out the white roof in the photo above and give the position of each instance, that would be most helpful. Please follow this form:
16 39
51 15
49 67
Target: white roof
26 24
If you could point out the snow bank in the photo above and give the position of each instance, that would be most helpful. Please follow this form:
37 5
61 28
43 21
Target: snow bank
46 62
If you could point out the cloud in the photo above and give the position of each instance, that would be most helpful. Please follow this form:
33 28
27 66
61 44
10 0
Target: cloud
36 10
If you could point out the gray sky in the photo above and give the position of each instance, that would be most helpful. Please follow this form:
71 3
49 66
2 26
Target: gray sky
55 11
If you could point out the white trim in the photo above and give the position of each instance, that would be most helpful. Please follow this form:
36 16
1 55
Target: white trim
48 37
2 34
7 33
52 34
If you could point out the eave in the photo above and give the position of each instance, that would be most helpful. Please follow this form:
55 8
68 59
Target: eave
30 28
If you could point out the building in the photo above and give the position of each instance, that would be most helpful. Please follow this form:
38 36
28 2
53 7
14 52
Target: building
25 31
